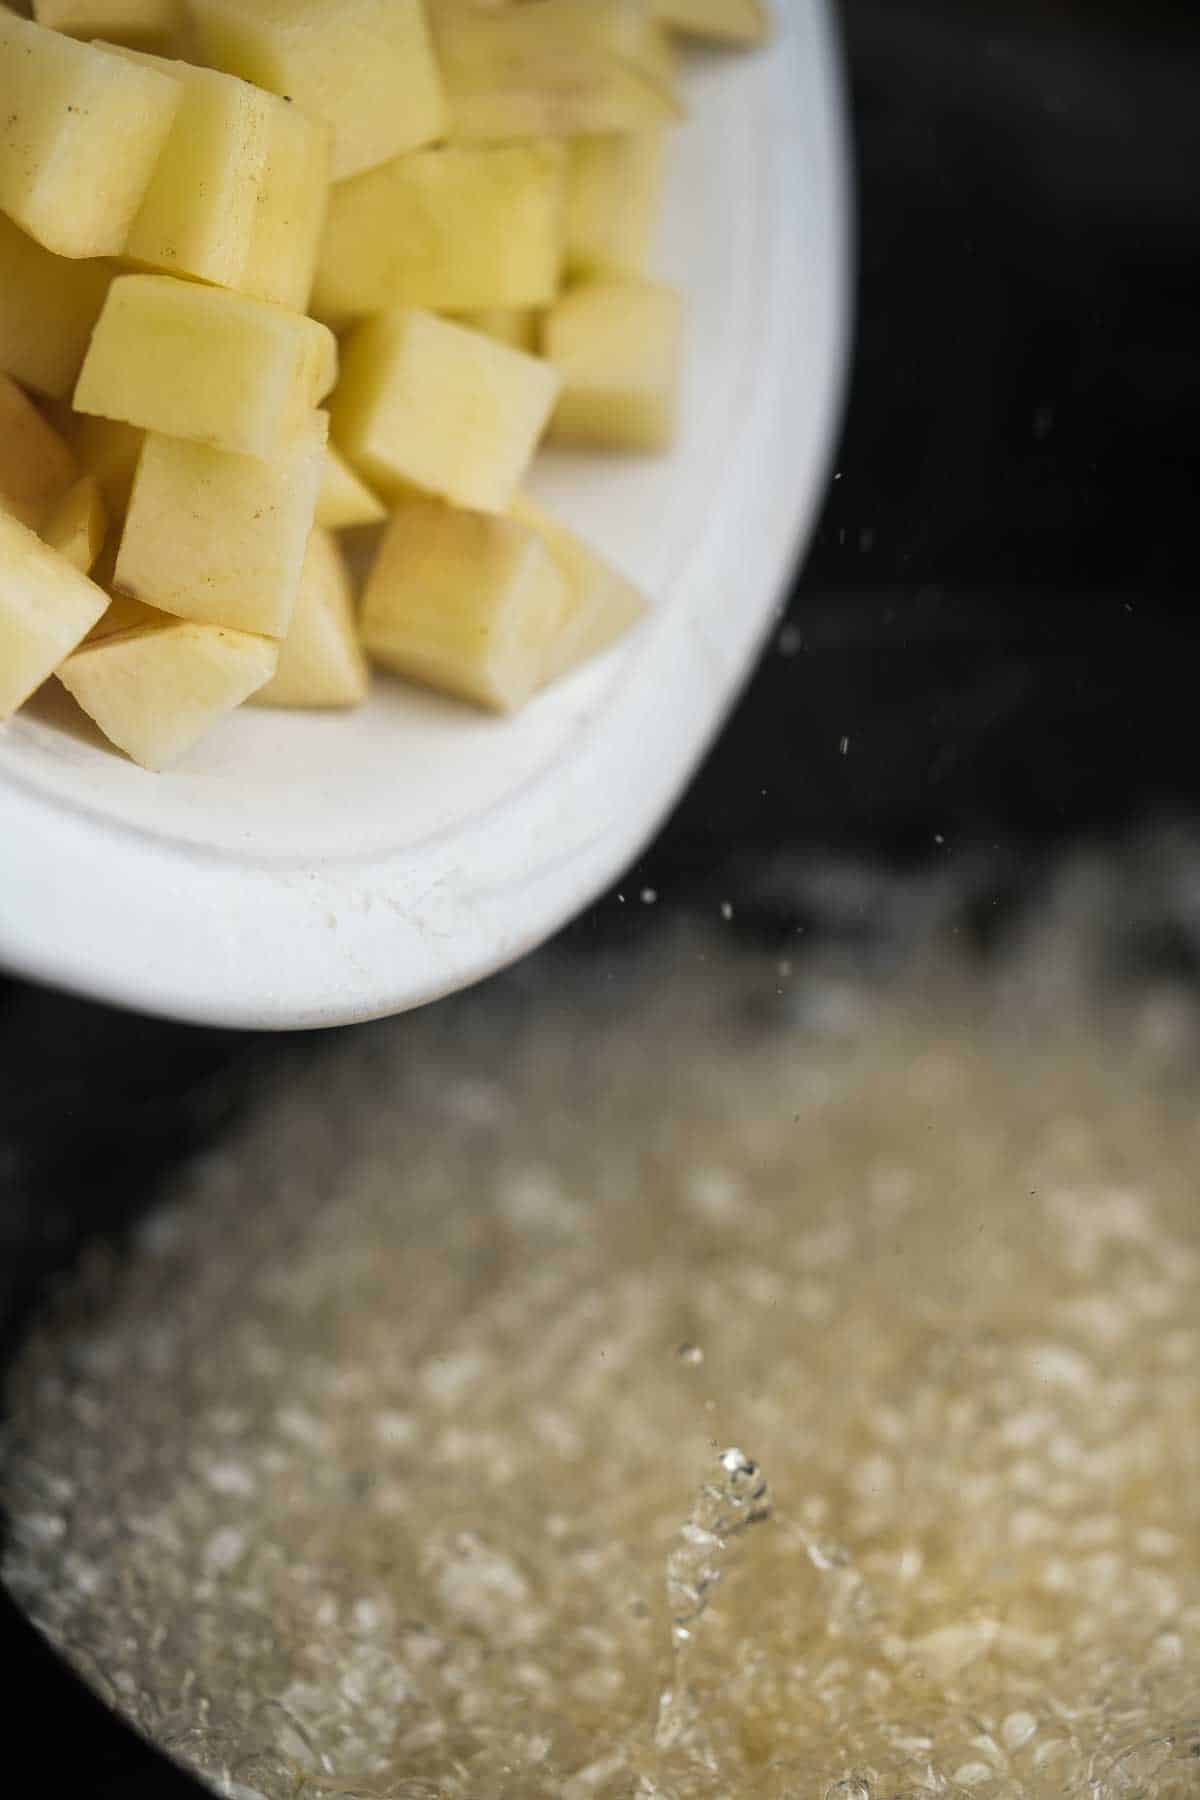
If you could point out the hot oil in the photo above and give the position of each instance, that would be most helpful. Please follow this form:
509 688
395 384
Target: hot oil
697 1382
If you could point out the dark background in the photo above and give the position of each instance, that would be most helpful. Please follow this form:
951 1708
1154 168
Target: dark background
997 611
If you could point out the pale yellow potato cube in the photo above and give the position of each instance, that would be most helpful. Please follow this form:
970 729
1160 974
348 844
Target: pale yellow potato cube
198 362
156 690
427 404
519 328
344 501
36 467
81 130
220 538
46 608
464 602
602 605
238 196
108 450
145 24
614 195
48 306
616 346
467 226
77 525
550 68
364 66
321 662
728 21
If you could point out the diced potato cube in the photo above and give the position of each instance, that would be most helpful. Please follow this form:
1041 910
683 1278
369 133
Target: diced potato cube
614 191
730 21
36 467
156 690
76 527
616 346
80 132
603 605
146 24
109 450
320 660
46 608
344 500
548 68
464 602
197 362
470 225
426 403
364 66
519 328
220 538
48 306
238 196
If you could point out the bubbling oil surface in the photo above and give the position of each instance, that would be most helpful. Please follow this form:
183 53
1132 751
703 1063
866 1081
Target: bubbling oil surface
399 1461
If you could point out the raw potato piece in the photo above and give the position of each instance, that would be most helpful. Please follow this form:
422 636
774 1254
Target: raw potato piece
464 602
48 306
46 608
219 538
145 24
320 660
80 132
616 346
77 526
520 330
196 362
614 191
426 403
344 500
238 195
36 467
157 690
109 450
603 604
467 226
730 21
549 68
364 66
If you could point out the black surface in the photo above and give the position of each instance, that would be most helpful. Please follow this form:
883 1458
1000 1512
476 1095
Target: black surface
997 613
999 610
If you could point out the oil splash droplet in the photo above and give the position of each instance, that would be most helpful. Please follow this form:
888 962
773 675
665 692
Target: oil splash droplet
725 1508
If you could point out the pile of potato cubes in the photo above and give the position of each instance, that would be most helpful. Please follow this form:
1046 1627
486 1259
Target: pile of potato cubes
275 269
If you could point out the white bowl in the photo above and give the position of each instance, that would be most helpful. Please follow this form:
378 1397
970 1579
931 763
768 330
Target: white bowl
303 870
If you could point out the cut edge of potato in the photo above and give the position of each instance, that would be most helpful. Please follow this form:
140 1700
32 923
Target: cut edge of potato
156 690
